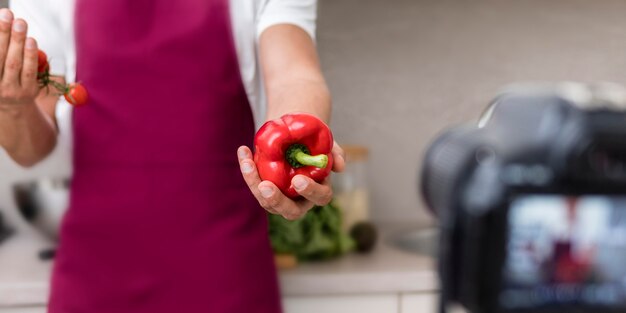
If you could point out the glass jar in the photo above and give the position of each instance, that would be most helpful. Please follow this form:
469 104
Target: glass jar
350 187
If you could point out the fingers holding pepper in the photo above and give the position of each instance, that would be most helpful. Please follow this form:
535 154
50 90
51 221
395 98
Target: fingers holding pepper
274 199
266 192
318 194
271 198
251 175
340 158
311 193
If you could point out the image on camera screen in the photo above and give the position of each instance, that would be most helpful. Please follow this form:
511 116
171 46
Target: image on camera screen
565 250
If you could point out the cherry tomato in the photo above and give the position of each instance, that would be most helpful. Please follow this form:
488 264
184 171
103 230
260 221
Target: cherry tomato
42 62
43 69
76 94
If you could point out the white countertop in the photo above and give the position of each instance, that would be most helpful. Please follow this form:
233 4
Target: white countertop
24 278
385 270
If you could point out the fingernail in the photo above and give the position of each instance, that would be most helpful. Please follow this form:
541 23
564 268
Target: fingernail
242 154
246 168
19 26
5 16
300 183
266 192
30 44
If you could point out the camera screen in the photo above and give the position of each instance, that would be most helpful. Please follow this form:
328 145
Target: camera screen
565 250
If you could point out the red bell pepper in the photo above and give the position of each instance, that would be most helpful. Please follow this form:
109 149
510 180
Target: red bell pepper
295 144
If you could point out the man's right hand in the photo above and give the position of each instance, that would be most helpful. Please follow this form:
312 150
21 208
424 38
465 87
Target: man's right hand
18 63
28 130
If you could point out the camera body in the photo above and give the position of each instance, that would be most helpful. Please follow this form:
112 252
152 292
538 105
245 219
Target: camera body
532 203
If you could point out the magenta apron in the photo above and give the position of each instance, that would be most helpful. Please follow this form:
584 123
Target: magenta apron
160 218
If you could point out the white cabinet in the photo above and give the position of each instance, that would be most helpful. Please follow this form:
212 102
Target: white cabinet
423 303
385 303
418 303
375 303
23 310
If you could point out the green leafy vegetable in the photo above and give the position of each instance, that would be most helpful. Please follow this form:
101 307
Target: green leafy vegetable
317 236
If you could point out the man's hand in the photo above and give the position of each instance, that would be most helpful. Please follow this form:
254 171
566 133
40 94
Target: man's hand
18 63
274 201
27 124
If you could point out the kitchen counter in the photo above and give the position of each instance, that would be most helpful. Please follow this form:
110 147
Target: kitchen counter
386 270
24 278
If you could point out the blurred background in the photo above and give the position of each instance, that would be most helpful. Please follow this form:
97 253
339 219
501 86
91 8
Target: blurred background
400 71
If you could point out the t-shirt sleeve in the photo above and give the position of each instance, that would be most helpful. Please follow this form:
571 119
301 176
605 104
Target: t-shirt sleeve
302 13
45 27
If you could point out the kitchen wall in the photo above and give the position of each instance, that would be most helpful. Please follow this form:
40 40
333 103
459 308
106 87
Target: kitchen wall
401 70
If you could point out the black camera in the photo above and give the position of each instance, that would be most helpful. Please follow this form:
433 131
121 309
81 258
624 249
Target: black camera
532 203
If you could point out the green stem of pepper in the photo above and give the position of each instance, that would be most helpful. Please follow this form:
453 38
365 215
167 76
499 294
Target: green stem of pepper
298 155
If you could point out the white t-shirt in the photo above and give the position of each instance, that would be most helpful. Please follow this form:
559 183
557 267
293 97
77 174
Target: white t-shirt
51 23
